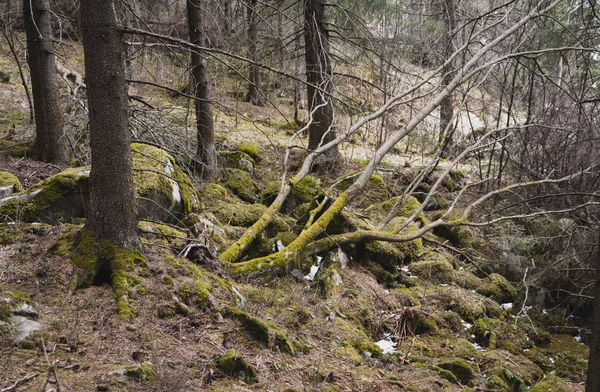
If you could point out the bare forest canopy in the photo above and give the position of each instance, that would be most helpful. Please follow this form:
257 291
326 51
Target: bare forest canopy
261 139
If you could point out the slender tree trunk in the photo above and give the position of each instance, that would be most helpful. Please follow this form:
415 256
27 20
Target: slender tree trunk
318 76
253 95
201 90
113 211
50 144
593 375
447 107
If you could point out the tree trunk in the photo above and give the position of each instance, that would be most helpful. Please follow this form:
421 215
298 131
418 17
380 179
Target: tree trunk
593 376
446 107
253 95
113 211
201 90
50 144
318 76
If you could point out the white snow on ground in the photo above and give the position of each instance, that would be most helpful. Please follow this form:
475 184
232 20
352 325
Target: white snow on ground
169 170
313 269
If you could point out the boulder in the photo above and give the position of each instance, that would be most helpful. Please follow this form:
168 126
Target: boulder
163 190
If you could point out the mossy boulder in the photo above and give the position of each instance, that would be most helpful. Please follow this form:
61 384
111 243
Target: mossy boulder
240 183
163 191
374 192
238 160
569 355
163 235
498 288
551 383
460 368
238 214
9 184
143 372
303 193
434 268
250 149
353 335
406 209
515 375
459 236
329 281
233 364
495 333
62 197
382 253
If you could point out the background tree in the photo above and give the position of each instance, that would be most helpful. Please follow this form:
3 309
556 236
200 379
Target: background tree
319 78
253 94
206 152
50 142
113 212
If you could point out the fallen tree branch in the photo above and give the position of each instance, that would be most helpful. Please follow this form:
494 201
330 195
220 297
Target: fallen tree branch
20 382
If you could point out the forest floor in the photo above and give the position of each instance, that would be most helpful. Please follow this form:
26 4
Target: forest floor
452 322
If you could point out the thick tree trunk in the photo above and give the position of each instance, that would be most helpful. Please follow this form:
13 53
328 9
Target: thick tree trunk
201 90
593 375
253 95
50 144
113 211
447 105
318 76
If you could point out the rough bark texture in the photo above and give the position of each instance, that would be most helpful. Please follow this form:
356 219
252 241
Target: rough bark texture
207 153
113 211
593 375
253 95
318 76
50 145
447 107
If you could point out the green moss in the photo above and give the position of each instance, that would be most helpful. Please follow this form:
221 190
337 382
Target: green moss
412 294
551 383
270 192
329 281
250 149
306 190
233 364
238 160
165 311
494 333
238 214
433 267
36 203
155 170
145 372
168 281
498 288
461 369
162 235
383 253
286 237
355 337
375 191
379 211
9 179
570 357
5 311
240 183
445 374
424 323
513 375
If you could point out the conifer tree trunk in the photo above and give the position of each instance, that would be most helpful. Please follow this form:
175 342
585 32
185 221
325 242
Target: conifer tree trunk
113 211
201 90
318 76
253 95
50 145
447 106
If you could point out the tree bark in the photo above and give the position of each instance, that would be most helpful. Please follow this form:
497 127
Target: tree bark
318 76
447 107
206 152
50 144
253 95
593 376
113 211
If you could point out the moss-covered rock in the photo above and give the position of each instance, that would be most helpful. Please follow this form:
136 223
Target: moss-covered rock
434 268
495 333
163 235
250 149
144 372
375 191
498 288
459 236
503 375
240 183
238 160
551 383
460 368
233 364
379 211
9 184
569 355
329 280
303 192
163 190
238 214
383 253
354 335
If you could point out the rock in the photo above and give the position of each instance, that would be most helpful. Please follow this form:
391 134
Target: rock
5 76
238 160
305 191
498 288
9 184
163 191
26 310
233 364
434 268
240 183
329 280
461 369
250 149
22 327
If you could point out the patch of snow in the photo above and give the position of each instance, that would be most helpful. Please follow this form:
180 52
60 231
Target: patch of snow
342 258
314 269
170 169
544 311
465 324
508 305
242 301
280 245
551 360
387 346
477 347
